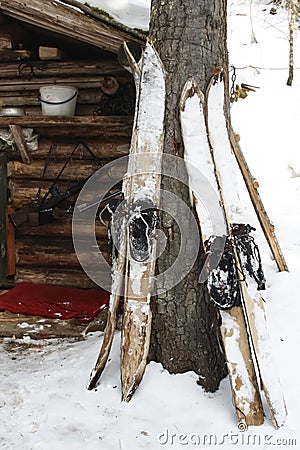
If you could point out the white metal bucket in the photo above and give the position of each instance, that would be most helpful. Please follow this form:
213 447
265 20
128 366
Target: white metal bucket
58 100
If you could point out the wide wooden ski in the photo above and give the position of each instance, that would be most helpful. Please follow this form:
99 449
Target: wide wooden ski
143 196
240 365
119 263
252 301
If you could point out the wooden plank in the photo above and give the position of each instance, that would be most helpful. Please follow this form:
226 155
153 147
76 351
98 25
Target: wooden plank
35 170
3 200
50 53
81 82
63 69
10 244
106 149
19 325
60 229
252 186
106 125
64 121
55 277
68 22
20 142
32 252
75 126
31 98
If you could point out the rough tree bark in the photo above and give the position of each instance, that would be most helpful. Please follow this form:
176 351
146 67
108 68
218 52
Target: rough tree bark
190 37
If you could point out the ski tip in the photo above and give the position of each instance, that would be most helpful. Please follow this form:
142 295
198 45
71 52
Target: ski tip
189 90
217 76
95 375
150 48
279 413
128 391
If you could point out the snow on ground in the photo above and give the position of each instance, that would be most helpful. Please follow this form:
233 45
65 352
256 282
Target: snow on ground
43 401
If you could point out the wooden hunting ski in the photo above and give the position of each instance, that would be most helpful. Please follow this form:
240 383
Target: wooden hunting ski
240 365
236 283
118 264
246 260
137 244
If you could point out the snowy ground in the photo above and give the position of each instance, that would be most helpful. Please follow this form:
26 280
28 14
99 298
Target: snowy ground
43 400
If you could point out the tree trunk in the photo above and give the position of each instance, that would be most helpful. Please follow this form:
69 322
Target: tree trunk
293 10
190 38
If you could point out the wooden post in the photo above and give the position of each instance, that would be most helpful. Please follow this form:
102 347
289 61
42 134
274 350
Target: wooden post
252 185
10 244
20 142
3 196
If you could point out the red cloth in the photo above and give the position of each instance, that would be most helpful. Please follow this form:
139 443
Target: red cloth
54 302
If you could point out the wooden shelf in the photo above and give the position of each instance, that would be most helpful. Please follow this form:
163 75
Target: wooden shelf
75 125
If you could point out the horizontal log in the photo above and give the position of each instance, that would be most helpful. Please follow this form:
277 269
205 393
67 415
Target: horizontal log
65 69
31 252
74 126
85 81
81 110
69 278
60 229
31 98
24 191
75 171
103 149
68 22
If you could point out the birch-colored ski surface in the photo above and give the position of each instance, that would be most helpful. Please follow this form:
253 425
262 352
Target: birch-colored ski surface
142 194
119 263
198 155
252 301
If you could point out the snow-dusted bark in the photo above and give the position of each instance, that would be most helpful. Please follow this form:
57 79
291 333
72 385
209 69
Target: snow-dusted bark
190 37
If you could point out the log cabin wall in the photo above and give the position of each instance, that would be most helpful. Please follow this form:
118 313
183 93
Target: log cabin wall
103 121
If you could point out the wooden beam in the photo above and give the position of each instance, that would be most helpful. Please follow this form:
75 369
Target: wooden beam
75 126
60 229
66 21
55 276
20 142
75 171
23 85
107 122
3 200
265 222
44 69
10 245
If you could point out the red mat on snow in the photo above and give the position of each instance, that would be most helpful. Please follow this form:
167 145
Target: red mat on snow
54 302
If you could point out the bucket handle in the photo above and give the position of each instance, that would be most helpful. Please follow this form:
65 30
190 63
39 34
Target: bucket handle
58 103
